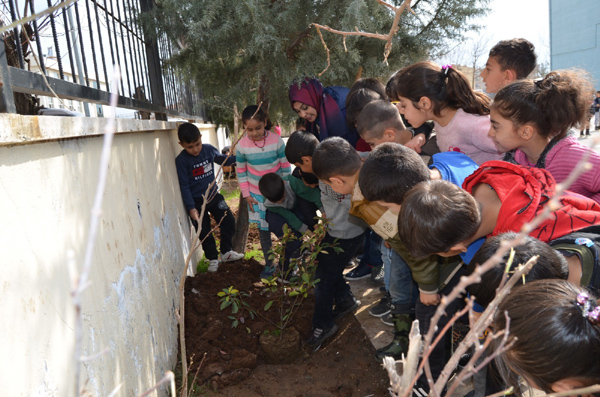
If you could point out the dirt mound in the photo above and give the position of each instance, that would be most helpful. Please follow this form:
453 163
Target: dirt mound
234 366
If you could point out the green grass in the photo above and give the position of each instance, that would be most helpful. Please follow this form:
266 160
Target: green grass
231 195
202 266
255 254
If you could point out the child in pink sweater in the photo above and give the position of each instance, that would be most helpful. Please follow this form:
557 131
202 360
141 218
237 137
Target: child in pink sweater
259 152
461 118
531 120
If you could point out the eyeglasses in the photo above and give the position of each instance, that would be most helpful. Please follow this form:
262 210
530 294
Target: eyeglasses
394 102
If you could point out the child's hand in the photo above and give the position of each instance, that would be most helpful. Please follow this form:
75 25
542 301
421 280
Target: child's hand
250 201
429 299
194 214
416 143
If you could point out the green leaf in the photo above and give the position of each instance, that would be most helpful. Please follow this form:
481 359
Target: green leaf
268 305
225 304
248 330
294 293
235 324
221 294
234 308
305 277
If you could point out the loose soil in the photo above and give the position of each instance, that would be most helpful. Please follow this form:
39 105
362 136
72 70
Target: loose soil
231 362
234 365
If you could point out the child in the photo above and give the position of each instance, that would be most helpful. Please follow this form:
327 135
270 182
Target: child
427 91
554 326
530 121
259 152
508 61
195 171
281 202
347 231
385 177
504 198
380 122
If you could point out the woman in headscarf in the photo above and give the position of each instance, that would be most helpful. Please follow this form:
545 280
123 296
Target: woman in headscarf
323 108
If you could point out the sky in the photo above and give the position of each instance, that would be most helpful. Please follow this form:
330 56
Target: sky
509 19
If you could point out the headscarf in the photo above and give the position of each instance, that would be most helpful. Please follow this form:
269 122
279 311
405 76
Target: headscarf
331 119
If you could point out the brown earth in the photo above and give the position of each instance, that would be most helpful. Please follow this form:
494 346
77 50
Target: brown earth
234 364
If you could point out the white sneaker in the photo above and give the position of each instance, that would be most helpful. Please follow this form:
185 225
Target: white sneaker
231 256
213 265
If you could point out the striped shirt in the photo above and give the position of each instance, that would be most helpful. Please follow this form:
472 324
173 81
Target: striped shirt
254 161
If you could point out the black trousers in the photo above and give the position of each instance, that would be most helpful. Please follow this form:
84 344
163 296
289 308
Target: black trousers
220 211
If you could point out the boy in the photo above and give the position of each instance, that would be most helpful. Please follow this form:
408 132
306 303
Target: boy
380 122
497 198
509 60
344 230
281 202
385 177
195 170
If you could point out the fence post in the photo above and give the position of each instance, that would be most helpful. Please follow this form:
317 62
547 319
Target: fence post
154 70
7 99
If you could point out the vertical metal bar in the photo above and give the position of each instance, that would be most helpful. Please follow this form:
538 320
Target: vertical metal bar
80 68
106 82
7 99
89 18
132 25
69 46
130 39
116 44
56 49
85 72
37 39
154 70
126 71
143 58
19 48
112 54
174 85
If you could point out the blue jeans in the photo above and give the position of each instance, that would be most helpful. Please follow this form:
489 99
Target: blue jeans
372 254
398 281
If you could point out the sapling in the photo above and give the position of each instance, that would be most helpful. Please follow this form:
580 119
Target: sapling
290 287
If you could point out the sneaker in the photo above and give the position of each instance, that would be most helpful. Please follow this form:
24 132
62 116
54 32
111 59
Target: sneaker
377 275
383 307
358 273
319 335
268 271
231 256
348 306
388 319
352 263
213 265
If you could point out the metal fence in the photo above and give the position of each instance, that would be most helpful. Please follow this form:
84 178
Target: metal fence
70 54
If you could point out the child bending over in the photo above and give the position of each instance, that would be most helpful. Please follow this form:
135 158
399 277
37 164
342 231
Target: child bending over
427 91
555 327
531 121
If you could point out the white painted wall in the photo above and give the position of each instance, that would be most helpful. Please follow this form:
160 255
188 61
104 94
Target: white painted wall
47 189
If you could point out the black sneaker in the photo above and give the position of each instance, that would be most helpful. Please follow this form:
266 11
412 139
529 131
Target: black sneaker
348 306
388 319
319 335
420 390
383 307
377 275
358 273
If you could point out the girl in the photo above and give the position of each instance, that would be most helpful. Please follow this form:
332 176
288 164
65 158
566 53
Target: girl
530 121
426 91
323 108
259 152
556 333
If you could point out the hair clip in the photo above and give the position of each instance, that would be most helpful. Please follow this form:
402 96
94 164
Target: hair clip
445 68
588 306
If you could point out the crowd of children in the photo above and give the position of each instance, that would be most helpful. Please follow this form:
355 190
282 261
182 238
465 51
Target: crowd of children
490 168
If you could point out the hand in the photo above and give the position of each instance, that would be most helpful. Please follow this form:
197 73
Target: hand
250 201
416 143
194 214
429 299
387 245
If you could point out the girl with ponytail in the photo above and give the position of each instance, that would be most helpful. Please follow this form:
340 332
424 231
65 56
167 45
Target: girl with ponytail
426 91
531 122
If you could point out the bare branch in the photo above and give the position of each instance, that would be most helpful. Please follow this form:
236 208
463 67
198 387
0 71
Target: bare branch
48 10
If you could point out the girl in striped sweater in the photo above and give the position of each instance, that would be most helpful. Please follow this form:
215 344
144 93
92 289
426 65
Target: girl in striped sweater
531 122
258 153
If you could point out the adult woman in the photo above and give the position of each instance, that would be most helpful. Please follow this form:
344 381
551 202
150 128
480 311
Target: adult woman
324 109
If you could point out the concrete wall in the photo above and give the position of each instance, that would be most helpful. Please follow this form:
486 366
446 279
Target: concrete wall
575 36
47 188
